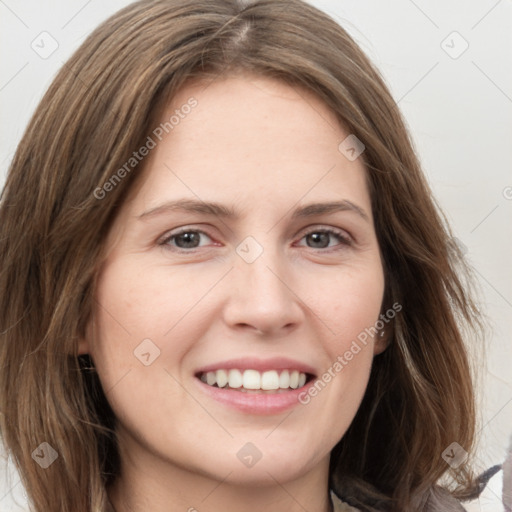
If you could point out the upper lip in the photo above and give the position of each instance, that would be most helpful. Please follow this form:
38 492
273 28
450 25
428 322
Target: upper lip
259 364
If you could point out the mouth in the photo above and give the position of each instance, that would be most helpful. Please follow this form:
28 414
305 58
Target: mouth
255 386
256 382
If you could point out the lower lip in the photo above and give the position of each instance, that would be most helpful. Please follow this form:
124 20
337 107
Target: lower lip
255 403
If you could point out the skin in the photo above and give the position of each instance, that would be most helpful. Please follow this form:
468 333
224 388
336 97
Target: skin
263 148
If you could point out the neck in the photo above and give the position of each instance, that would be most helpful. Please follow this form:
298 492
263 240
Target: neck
148 483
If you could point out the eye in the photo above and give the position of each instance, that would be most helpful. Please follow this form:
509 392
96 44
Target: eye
185 239
320 238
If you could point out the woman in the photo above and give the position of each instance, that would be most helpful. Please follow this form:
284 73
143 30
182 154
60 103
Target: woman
225 282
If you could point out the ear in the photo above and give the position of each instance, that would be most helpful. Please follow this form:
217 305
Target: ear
84 340
83 346
382 340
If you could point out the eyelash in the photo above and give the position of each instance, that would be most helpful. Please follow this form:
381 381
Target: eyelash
345 241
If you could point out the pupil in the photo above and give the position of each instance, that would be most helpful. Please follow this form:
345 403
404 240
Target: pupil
320 237
189 238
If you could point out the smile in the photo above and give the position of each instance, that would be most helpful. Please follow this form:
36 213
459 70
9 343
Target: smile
271 381
256 386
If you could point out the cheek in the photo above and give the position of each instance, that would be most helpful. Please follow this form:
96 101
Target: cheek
349 309
128 322
348 304
145 323
136 320
135 303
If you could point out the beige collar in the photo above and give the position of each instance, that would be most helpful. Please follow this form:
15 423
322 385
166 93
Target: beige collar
340 506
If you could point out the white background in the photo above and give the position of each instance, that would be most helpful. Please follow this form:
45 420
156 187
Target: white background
459 111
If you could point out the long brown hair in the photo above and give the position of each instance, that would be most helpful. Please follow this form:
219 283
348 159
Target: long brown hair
53 224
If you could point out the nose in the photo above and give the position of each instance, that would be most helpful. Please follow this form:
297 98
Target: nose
261 296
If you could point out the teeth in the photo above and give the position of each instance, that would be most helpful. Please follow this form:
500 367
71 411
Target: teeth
294 379
211 378
254 380
235 379
284 379
269 380
222 378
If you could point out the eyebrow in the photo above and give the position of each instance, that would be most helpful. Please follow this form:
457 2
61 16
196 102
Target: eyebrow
220 210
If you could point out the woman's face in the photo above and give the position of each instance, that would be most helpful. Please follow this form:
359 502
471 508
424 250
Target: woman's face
245 284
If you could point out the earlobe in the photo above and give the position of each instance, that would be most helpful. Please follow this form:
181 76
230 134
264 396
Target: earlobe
382 340
85 337
83 346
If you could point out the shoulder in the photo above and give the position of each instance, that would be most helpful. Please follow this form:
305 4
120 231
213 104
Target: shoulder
441 500
340 506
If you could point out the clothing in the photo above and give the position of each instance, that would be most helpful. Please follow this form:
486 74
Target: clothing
442 500
340 506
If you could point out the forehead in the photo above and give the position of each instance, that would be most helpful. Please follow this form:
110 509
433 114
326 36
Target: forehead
250 109
250 138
